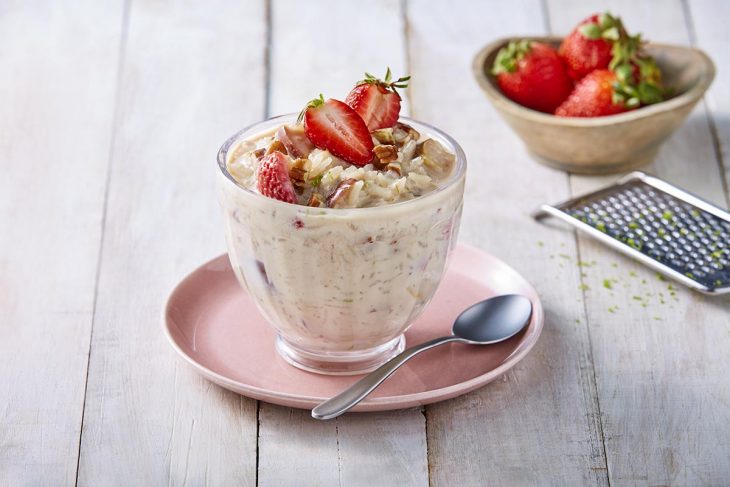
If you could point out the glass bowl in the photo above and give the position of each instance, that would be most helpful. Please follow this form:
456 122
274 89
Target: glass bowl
340 286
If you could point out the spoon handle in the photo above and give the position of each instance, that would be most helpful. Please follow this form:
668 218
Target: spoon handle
346 399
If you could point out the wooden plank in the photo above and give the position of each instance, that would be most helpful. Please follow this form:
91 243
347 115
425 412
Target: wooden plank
661 359
193 73
711 35
356 449
539 423
57 90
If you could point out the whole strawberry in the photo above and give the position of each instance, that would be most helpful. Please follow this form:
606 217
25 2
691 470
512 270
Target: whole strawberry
590 45
593 96
273 178
377 101
532 74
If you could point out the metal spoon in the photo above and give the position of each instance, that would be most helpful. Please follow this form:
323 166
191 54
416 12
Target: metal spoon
490 321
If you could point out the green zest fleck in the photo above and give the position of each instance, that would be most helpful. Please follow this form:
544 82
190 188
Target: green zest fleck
316 181
633 225
540 243
584 287
601 227
667 215
612 309
634 244
636 298
607 284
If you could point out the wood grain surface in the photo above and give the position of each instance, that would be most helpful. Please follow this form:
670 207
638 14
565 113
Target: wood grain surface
110 118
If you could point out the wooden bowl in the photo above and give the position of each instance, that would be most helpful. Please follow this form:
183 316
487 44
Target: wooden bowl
609 144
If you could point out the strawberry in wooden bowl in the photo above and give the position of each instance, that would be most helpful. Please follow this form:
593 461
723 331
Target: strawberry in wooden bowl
626 96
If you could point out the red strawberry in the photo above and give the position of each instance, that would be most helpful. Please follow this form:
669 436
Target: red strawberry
532 74
593 96
334 126
590 45
377 101
273 178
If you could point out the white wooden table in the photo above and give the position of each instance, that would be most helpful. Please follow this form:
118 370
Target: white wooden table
110 117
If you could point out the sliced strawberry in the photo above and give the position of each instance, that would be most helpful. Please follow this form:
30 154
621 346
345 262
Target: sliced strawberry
295 140
273 178
334 126
377 101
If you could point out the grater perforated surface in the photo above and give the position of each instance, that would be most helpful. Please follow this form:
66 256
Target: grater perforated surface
673 232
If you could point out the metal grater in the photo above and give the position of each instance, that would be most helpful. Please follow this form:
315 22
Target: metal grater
670 230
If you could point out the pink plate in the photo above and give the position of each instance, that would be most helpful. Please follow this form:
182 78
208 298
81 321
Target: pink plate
214 325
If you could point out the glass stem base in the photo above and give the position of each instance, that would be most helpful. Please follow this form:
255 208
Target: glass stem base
340 363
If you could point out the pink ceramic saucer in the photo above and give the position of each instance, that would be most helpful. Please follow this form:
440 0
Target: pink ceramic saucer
214 325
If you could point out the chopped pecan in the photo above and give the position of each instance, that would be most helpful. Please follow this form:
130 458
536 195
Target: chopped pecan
315 200
341 192
278 146
384 154
259 153
297 174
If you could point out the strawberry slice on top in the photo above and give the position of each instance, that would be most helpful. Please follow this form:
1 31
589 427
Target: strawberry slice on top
334 126
377 101
273 178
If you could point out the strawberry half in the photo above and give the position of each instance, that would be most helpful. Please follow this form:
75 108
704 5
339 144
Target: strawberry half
273 178
377 101
334 126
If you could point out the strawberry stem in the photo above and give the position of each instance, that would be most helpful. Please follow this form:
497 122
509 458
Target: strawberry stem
638 78
508 57
386 82
314 103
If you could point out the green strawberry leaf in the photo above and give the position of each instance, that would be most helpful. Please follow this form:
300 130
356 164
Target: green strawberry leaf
508 57
590 31
611 34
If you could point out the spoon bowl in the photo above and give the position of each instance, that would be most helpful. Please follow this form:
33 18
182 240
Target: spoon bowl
493 320
490 321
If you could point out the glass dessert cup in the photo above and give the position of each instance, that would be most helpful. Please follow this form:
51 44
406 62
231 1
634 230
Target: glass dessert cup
340 286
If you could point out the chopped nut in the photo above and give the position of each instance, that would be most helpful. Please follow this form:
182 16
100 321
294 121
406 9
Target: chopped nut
278 146
384 154
384 136
435 156
315 200
395 167
297 174
341 192
402 133
259 153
